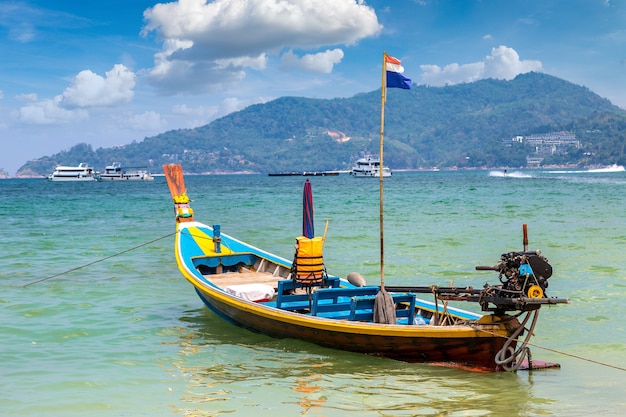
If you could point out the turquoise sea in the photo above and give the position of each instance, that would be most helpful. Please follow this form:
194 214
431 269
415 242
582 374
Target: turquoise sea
108 326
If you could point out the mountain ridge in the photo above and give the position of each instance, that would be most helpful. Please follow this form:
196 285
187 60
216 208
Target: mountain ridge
462 125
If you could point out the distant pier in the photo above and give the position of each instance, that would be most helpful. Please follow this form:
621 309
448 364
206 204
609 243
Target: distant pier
304 174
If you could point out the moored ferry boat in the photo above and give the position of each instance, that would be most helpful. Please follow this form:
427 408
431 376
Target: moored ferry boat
82 172
115 172
369 167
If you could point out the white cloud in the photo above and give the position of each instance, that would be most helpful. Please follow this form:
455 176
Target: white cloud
49 112
233 104
86 90
22 34
201 115
209 45
322 62
89 89
146 121
259 62
185 110
503 63
452 73
32 97
194 116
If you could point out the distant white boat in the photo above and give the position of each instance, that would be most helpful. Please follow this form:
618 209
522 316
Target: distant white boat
64 173
610 168
115 172
369 167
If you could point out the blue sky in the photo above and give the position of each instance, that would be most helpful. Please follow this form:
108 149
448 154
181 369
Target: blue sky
111 72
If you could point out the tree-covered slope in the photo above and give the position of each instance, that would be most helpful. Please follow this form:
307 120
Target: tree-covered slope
460 125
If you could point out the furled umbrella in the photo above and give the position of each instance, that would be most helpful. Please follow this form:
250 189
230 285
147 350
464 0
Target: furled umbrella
307 211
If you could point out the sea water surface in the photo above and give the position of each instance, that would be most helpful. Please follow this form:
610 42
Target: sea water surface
96 320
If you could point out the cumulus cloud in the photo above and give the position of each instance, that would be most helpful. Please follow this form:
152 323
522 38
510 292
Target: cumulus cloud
208 45
89 89
49 111
322 62
503 63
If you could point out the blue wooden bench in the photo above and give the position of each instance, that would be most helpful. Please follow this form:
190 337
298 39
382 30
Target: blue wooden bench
362 308
337 301
356 304
287 301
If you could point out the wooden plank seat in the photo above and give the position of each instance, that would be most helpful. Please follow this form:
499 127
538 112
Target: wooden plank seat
242 277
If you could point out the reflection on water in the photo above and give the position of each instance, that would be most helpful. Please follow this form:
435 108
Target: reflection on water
231 371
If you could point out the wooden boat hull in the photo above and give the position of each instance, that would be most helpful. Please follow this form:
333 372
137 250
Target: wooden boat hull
454 344
473 345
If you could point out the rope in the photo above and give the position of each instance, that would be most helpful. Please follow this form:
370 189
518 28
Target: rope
99 260
560 352
517 356
500 359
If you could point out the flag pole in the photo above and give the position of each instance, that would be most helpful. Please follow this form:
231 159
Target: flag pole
380 171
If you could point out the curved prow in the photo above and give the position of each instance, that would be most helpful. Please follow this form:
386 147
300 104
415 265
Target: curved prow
176 183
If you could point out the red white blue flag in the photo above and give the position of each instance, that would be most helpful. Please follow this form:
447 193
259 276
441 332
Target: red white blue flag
394 70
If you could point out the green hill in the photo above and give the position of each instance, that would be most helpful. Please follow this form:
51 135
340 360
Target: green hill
462 125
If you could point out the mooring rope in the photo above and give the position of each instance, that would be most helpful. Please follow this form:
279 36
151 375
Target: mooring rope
518 355
99 260
560 352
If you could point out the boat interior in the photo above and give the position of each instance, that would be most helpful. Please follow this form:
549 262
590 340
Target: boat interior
255 278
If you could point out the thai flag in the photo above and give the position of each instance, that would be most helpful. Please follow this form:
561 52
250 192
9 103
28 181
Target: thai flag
394 69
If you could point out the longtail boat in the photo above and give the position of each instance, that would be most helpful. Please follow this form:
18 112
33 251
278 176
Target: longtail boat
299 299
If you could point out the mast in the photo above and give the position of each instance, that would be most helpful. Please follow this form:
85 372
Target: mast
380 171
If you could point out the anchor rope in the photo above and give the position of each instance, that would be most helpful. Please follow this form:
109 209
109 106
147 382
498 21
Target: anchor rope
517 356
560 352
99 260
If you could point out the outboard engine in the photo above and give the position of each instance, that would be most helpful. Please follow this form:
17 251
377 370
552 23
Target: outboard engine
522 274
524 277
